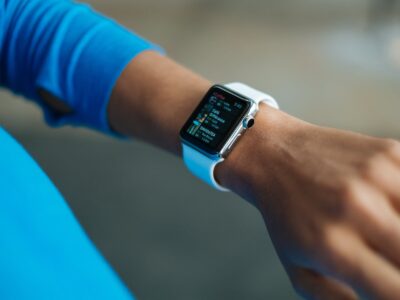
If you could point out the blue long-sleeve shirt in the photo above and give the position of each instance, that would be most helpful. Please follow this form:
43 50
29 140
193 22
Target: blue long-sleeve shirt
77 55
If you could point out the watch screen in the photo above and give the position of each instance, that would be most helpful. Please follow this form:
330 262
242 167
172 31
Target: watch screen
214 120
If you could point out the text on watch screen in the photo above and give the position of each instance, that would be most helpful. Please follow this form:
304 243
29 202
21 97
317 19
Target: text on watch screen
216 118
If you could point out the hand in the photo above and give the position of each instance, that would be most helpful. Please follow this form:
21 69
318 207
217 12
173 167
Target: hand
330 200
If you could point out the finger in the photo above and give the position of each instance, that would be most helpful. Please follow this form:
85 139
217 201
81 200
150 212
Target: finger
368 273
314 286
384 173
394 150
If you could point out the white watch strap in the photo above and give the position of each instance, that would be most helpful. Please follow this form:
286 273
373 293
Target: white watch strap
252 93
203 166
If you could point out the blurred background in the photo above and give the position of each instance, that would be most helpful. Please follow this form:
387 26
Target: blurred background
169 236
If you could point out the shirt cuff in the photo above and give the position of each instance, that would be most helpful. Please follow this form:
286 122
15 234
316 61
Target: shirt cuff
83 67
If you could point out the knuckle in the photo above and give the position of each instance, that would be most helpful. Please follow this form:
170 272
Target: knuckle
348 198
332 253
358 203
348 188
351 192
371 167
384 220
338 256
355 202
391 146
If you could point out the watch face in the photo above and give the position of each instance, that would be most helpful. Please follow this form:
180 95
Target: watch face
215 119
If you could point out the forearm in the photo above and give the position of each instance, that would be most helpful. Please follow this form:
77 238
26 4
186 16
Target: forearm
154 97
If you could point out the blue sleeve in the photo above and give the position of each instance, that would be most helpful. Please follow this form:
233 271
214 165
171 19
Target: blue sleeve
66 49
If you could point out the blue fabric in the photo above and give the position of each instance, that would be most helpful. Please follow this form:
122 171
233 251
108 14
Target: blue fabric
76 55
68 50
44 253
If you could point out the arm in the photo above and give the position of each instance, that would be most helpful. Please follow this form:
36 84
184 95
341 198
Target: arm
329 198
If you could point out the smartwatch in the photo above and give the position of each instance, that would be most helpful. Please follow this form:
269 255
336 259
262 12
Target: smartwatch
222 116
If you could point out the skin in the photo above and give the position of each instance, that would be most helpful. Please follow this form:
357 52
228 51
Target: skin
330 198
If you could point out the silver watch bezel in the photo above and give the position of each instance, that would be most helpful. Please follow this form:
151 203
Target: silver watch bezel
235 134
233 139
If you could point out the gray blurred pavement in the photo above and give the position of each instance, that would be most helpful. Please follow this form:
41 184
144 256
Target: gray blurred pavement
168 235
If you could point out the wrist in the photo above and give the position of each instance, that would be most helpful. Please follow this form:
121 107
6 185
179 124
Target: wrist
259 153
